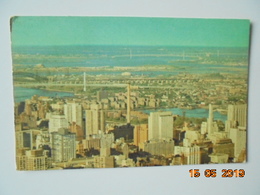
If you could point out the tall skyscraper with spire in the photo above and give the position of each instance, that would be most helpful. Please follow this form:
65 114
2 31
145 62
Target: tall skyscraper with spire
210 126
210 120
84 82
128 117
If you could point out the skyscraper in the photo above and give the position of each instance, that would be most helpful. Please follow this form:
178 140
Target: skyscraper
210 120
237 117
160 125
210 126
73 113
56 122
95 120
238 137
140 135
191 154
63 145
238 113
128 117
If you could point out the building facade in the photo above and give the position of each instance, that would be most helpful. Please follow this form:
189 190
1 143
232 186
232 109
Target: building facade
237 116
73 113
56 122
63 145
160 125
95 120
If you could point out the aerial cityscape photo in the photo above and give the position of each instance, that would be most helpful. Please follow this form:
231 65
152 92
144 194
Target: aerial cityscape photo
108 92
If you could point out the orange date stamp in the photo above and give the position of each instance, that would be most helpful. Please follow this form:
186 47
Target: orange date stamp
226 173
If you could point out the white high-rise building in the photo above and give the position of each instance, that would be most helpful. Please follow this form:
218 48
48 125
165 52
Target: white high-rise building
73 113
95 120
210 126
237 117
210 120
160 125
56 122
238 137
192 154
63 145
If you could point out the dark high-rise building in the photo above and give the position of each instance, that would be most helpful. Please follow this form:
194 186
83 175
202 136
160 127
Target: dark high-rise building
125 131
102 95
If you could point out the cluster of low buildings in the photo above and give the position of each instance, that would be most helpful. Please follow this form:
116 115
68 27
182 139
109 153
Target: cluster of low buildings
179 91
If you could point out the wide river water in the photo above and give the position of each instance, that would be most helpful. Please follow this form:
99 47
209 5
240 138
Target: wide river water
21 93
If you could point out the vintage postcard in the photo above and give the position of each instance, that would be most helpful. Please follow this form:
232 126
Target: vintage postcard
108 92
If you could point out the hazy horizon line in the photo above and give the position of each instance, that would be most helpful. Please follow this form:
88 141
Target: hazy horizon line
123 45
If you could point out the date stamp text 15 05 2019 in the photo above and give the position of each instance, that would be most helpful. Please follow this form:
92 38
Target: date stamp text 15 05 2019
226 173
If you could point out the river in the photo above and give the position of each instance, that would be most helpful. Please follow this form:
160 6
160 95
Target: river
196 113
22 93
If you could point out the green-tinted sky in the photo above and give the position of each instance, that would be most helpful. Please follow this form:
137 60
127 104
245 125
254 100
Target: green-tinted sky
129 31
